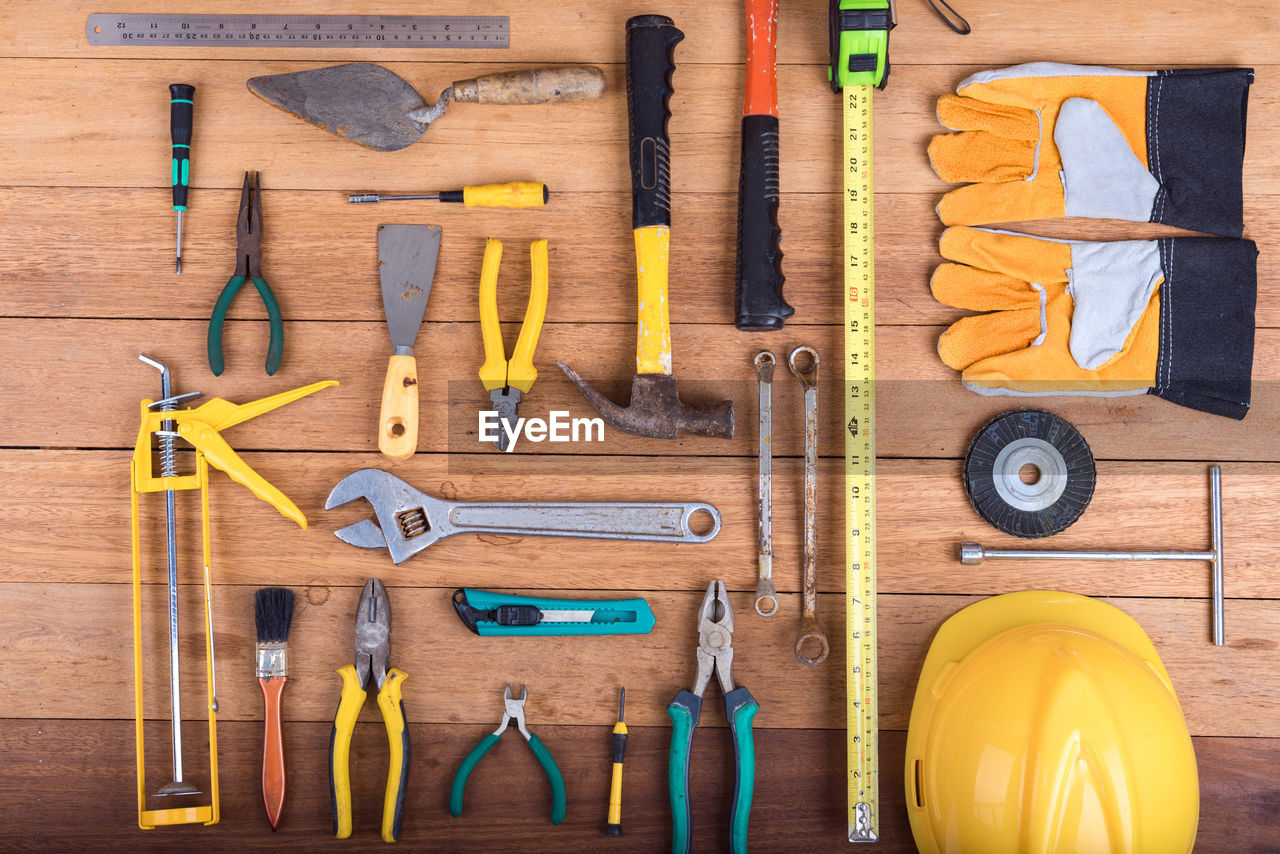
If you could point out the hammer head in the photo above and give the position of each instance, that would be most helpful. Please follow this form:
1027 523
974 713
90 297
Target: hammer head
656 409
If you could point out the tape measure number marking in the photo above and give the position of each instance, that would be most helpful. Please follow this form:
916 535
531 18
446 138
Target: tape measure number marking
420 31
863 720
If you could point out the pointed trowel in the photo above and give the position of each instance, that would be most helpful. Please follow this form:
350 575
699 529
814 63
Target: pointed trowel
407 257
376 107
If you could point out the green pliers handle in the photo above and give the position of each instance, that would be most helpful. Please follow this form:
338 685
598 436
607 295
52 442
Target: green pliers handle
740 709
558 799
275 348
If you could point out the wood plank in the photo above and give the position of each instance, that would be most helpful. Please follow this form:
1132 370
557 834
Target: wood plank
799 794
94 140
320 256
59 377
923 516
585 31
1223 691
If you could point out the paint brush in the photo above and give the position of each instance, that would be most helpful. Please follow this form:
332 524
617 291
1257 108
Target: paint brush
273 611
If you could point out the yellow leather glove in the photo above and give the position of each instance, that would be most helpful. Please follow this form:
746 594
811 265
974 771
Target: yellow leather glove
1171 317
1047 140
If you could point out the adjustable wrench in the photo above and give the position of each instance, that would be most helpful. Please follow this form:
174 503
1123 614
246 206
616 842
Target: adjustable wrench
811 634
409 520
766 598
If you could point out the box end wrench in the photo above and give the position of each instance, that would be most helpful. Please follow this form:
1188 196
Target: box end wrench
766 597
803 362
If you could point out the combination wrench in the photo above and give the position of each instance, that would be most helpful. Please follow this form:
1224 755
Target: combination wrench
803 362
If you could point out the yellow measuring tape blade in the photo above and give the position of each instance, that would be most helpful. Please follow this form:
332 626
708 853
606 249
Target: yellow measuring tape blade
862 713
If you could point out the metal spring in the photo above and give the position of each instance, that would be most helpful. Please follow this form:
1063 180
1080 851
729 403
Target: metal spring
413 523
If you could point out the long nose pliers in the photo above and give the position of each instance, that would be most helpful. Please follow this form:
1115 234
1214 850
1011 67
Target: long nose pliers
371 670
514 712
248 254
715 653
508 380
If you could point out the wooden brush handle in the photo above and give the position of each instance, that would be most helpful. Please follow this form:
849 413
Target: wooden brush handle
541 86
273 750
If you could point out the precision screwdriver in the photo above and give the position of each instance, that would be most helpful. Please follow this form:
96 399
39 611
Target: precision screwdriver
517 194
181 110
614 826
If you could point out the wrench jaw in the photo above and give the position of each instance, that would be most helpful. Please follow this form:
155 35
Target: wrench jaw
404 514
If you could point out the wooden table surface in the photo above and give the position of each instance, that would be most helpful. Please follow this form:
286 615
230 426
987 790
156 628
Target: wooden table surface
88 285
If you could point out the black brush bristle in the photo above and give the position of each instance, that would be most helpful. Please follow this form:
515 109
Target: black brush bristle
273 610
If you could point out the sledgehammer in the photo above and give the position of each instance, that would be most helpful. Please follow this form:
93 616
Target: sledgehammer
656 409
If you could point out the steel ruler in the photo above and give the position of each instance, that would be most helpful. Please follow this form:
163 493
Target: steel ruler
217 30
859 63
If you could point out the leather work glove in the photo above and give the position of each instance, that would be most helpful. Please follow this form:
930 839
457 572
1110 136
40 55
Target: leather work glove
1046 140
1170 317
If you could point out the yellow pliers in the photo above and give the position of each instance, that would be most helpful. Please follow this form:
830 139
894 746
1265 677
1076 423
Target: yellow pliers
506 381
373 659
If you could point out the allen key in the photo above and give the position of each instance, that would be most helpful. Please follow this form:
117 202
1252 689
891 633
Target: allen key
973 553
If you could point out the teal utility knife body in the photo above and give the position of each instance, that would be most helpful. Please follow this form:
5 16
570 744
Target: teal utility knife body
505 615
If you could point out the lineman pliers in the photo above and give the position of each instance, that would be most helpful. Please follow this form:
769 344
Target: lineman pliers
372 669
715 653
508 380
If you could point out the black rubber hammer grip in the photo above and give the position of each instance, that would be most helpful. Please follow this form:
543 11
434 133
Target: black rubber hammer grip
757 293
651 44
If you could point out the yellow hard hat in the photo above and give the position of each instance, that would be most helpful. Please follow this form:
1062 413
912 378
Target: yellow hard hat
1044 723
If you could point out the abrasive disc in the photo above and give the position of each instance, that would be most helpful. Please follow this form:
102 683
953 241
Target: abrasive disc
1053 455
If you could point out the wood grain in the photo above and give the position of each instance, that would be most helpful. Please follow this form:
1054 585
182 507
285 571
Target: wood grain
86 221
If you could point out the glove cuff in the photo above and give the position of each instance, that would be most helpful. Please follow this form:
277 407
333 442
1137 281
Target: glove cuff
1195 147
1206 323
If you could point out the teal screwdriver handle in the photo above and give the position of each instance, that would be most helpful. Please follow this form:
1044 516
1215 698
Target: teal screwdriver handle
740 708
181 112
553 774
464 771
683 711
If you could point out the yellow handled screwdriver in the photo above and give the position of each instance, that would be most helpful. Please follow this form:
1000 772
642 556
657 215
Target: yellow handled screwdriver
614 826
517 194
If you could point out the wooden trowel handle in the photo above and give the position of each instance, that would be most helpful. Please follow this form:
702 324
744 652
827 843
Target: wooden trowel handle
540 86
398 420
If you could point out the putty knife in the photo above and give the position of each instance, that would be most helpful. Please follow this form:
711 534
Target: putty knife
407 257
368 104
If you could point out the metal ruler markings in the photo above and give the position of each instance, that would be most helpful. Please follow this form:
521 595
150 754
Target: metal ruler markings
862 712
216 30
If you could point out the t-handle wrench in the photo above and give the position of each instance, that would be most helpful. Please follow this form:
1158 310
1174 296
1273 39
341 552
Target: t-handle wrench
811 634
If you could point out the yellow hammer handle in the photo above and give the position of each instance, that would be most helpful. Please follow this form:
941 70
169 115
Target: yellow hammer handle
493 373
653 333
521 373
391 702
344 724
517 194
398 418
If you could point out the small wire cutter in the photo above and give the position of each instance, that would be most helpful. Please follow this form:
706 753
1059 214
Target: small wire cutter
715 653
514 711
248 255
508 380
372 669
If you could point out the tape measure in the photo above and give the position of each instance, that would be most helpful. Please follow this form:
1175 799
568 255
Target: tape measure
859 32
216 30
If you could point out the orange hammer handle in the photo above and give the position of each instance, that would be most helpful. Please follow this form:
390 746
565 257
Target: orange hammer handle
762 42
273 750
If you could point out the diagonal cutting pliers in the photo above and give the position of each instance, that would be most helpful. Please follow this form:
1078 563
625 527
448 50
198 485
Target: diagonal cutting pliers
514 712
248 255
508 380
371 670
715 653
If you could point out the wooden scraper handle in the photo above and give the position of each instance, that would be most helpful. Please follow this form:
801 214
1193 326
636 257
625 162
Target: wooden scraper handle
398 419
535 86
